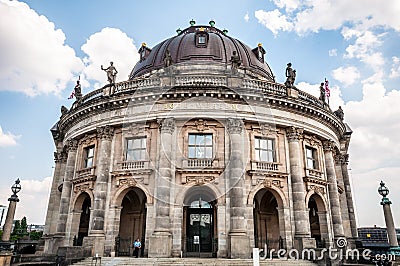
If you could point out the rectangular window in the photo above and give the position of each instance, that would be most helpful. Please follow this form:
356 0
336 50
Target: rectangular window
202 39
89 155
200 146
136 149
311 157
265 150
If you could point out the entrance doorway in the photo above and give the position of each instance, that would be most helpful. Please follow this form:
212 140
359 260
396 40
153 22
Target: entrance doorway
132 222
200 225
83 219
266 221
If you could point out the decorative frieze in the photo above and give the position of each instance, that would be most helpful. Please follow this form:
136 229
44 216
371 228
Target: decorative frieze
106 132
316 184
234 126
199 180
84 183
294 134
312 140
167 125
268 183
87 140
267 129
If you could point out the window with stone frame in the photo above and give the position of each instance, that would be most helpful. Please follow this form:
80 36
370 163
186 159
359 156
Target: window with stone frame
136 149
89 156
311 158
200 146
265 150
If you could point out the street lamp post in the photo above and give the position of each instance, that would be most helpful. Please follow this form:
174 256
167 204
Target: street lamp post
387 212
11 210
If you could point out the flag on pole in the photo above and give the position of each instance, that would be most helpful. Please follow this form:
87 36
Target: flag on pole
327 90
72 95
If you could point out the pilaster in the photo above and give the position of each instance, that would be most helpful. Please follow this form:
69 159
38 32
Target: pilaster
160 242
105 135
338 231
302 234
67 186
239 241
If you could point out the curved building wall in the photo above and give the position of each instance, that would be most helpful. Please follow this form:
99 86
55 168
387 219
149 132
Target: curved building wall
199 156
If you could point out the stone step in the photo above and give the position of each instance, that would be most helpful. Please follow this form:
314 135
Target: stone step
117 261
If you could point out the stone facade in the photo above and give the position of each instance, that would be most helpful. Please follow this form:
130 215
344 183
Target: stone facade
197 155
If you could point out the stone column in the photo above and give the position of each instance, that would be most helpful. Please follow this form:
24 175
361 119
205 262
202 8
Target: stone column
67 187
239 241
103 161
160 243
60 158
349 197
342 197
10 217
302 234
333 189
391 229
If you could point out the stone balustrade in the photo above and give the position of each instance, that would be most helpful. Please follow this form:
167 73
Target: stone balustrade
132 165
198 163
200 81
314 173
264 166
85 172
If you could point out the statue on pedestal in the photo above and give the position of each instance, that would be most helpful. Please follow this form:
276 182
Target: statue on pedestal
167 59
290 76
235 60
111 73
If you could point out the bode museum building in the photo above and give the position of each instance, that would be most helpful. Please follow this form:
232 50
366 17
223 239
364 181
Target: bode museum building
199 152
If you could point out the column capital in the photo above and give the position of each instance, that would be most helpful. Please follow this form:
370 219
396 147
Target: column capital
106 132
294 134
328 145
234 126
167 125
341 159
72 145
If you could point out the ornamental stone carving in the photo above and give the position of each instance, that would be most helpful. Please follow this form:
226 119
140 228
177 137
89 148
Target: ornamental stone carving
72 145
328 145
294 134
105 132
60 157
201 125
234 126
266 129
167 125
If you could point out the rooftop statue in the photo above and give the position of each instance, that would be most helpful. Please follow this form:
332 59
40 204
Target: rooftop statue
235 60
78 91
290 76
111 73
339 113
64 110
322 93
168 59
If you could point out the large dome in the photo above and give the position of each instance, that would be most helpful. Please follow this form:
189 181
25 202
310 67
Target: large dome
203 44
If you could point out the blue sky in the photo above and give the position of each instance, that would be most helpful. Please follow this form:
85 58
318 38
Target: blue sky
46 45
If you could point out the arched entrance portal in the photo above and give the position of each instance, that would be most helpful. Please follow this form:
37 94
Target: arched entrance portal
199 223
84 202
318 220
132 222
266 221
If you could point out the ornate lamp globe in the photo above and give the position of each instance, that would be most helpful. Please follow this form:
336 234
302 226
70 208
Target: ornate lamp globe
16 187
383 190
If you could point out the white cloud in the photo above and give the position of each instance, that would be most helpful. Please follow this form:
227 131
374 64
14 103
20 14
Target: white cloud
8 139
332 52
346 75
34 56
33 199
395 70
108 45
289 5
246 17
274 21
